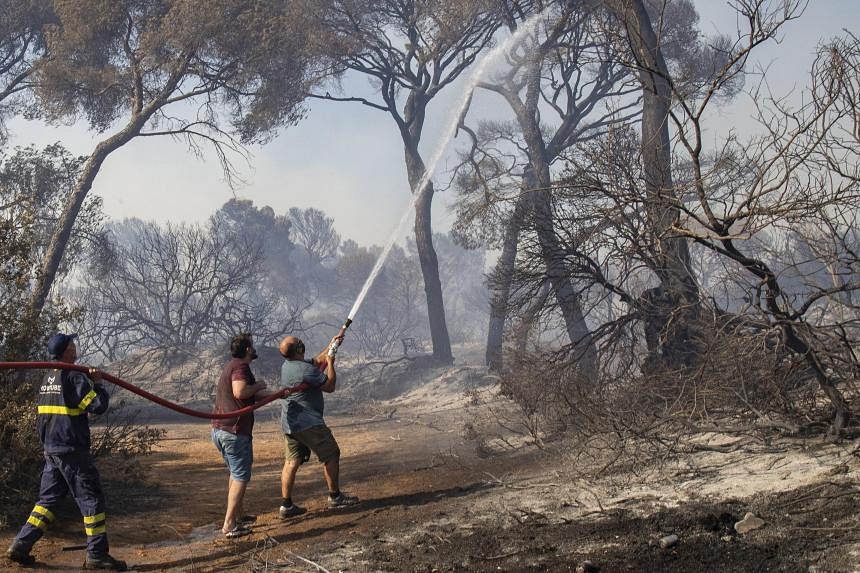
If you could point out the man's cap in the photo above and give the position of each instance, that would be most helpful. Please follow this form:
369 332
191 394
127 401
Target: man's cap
59 342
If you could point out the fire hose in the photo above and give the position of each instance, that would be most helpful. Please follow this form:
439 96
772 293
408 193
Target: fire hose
158 399
152 397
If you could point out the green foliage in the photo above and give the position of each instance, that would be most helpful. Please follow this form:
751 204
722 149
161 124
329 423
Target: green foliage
146 62
33 187
21 43
113 58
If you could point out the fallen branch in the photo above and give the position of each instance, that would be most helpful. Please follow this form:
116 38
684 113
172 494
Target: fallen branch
723 449
503 555
496 480
309 562
531 485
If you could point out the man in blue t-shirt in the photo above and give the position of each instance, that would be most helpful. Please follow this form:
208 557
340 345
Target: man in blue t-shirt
302 421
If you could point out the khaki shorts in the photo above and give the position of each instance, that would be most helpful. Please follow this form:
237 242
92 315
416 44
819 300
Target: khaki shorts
318 440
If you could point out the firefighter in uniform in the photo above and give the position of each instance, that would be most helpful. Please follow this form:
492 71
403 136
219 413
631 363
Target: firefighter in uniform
66 397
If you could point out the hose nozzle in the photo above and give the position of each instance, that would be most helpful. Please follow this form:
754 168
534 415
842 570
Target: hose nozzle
344 327
332 350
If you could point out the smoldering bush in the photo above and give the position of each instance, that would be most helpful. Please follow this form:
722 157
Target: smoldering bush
744 381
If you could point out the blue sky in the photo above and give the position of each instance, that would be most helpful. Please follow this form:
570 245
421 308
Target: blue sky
347 159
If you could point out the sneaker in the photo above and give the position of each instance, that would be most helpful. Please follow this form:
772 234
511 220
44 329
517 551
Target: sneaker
104 561
19 555
286 512
342 500
238 531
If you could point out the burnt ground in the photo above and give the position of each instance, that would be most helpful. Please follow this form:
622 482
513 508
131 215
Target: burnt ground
618 540
430 503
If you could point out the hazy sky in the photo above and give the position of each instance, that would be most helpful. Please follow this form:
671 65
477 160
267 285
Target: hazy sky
347 159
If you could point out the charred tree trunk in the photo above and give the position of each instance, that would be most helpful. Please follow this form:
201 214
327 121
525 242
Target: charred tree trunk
537 181
427 256
671 307
797 343
500 286
522 331
568 299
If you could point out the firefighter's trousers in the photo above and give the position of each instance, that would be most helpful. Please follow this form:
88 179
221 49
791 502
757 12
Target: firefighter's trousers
64 474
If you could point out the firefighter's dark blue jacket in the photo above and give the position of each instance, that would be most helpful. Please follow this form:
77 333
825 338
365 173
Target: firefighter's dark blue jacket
65 399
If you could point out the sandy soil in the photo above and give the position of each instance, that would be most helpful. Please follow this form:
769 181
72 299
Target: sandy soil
430 502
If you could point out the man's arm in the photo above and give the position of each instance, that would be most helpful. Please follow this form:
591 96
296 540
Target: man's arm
242 390
321 359
331 375
91 395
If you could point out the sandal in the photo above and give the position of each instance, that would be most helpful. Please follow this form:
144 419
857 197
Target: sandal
238 531
247 519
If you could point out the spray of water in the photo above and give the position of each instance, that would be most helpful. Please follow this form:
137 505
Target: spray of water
479 70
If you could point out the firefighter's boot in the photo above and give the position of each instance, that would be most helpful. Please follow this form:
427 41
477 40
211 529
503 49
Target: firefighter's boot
18 554
104 561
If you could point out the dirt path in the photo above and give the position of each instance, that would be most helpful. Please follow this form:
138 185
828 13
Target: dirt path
430 504
401 469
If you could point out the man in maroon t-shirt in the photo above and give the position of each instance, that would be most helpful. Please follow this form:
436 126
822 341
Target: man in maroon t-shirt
236 389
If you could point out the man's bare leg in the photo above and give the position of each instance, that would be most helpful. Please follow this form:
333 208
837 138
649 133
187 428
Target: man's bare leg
235 495
331 471
288 477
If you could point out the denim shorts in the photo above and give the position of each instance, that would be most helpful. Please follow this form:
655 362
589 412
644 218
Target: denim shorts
238 452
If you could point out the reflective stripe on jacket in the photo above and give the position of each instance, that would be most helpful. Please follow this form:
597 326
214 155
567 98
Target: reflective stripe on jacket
65 399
